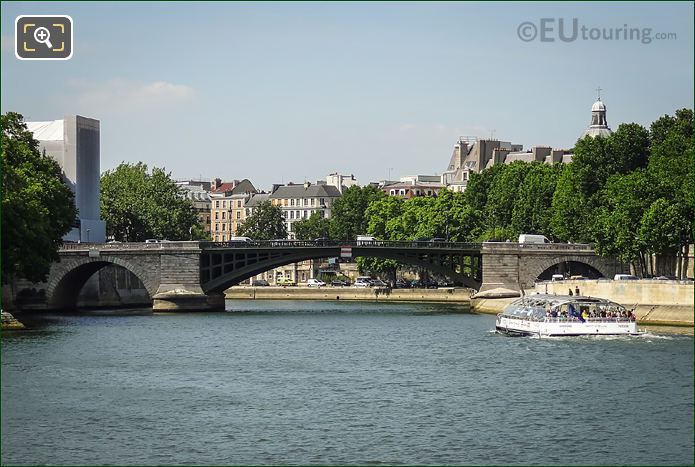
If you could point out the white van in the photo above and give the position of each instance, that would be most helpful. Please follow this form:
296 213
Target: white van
528 238
240 239
557 277
365 240
625 277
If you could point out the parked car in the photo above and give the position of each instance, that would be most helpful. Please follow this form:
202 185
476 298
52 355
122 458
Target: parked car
665 278
286 281
437 240
402 284
363 282
260 283
378 283
151 240
339 283
557 277
578 278
625 277
315 283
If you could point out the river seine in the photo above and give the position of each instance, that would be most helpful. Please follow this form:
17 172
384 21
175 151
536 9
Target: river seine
290 382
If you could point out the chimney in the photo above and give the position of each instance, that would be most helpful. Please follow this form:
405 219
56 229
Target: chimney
216 183
307 185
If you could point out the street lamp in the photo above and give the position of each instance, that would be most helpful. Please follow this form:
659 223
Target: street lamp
88 230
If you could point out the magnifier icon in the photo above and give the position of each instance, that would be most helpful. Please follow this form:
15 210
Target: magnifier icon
43 36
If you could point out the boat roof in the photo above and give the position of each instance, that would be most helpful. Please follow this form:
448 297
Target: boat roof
538 299
535 305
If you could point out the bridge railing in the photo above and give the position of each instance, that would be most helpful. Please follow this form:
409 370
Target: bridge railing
338 244
538 246
131 246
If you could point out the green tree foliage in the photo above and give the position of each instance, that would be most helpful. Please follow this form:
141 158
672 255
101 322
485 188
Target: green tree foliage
624 200
569 208
532 211
38 207
504 194
266 223
348 218
315 226
138 205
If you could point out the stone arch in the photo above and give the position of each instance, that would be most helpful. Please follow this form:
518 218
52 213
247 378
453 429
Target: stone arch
69 276
538 266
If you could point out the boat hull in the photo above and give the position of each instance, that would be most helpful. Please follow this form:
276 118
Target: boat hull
555 328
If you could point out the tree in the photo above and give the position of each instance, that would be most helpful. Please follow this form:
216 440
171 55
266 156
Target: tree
38 207
348 218
532 212
315 226
266 223
570 211
504 192
138 205
615 223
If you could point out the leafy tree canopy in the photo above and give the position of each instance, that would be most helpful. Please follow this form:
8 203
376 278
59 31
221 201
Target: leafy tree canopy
38 207
138 205
266 223
316 226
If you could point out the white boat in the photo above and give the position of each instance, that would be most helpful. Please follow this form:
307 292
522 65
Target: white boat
565 315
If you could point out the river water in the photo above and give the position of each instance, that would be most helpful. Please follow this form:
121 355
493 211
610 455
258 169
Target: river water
289 382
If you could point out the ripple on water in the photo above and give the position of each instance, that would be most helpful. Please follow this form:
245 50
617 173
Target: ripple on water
291 382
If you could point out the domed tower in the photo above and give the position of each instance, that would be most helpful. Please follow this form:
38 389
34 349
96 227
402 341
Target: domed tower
599 124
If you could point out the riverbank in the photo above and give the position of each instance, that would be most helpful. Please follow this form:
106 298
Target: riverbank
670 312
449 294
10 323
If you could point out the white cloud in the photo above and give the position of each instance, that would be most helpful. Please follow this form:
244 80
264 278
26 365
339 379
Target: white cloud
118 94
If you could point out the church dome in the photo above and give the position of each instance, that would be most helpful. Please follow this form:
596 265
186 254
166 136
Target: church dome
598 106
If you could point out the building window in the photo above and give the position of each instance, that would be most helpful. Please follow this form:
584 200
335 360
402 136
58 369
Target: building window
223 227
238 214
224 214
306 202
392 192
291 214
312 201
217 215
217 204
207 219
322 201
292 202
305 214
217 227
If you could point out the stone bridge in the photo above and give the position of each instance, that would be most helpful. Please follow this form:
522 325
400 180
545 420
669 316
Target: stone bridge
194 275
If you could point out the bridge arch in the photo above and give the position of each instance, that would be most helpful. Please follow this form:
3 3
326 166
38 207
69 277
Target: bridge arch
68 277
223 269
593 262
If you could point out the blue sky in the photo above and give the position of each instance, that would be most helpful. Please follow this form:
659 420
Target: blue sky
287 92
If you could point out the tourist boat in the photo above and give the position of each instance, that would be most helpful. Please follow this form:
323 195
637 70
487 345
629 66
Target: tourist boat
565 315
